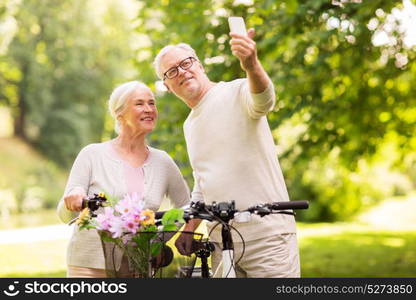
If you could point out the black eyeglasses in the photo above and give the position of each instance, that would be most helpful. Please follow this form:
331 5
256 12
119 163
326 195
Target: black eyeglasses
184 65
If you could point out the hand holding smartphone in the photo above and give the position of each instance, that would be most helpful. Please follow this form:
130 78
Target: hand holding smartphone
237 25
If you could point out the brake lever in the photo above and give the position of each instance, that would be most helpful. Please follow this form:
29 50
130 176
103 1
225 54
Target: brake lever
72 221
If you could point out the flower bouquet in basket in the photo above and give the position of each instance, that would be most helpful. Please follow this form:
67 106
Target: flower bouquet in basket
126 227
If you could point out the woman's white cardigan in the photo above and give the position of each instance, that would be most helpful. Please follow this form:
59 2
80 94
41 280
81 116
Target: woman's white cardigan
95 170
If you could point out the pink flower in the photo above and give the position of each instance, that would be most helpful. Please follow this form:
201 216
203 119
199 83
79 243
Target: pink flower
116 227
125 218
131 223
130 204
126 238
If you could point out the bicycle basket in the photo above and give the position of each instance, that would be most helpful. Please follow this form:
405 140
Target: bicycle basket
132 260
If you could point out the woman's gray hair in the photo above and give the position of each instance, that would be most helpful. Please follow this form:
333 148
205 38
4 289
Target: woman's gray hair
119 97
165 50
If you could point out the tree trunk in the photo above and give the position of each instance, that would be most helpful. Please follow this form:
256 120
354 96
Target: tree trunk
20 115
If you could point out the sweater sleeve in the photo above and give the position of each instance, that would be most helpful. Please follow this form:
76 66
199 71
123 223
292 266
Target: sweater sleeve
258 105
197 195
178 190
79 179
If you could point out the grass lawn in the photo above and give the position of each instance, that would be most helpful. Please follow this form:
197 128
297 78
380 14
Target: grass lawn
24 220
40 259
359 254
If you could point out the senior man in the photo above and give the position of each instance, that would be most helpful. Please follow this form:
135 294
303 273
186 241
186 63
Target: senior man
233 155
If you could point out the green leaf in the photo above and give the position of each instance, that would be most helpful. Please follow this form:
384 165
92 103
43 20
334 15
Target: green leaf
155 248
150 228
170 227
86 226
172 216
107 238
141 241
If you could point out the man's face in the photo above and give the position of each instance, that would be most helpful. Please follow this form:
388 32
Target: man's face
187 84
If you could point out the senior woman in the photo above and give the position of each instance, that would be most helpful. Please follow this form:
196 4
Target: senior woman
121 166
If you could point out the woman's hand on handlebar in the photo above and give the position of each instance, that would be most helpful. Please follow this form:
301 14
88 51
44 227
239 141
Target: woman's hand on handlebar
73 201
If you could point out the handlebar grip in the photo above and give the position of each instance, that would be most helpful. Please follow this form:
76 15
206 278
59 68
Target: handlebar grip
85 202
290 205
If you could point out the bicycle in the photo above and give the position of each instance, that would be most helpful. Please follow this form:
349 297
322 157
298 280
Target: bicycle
224 212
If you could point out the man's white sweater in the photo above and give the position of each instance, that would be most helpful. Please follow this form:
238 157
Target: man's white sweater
233 156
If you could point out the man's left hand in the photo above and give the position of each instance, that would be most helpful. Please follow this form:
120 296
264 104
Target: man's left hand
184 243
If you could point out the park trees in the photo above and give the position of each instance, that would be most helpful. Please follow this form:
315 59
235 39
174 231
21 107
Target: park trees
344 120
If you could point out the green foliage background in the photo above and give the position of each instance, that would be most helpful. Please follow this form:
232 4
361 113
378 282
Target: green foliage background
59 69
59 61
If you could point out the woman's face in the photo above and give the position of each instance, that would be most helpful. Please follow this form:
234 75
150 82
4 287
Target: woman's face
140 114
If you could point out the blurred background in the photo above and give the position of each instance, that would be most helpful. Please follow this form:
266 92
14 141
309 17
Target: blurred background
344 123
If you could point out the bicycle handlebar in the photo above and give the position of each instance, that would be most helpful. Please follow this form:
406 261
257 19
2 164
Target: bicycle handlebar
226 210
95 202
92 203
222 210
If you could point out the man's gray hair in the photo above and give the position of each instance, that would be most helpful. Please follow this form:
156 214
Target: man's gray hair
165 50
119 97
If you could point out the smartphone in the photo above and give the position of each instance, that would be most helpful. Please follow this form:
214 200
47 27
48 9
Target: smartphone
237 25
